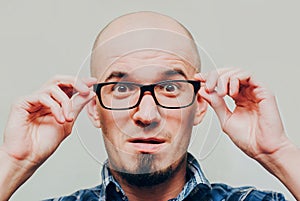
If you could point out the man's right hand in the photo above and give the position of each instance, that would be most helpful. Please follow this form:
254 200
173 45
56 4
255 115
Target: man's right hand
38 123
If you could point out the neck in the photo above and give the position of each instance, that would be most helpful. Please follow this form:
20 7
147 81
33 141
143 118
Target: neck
164 191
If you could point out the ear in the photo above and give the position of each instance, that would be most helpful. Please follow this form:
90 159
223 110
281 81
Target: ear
93 113
201 109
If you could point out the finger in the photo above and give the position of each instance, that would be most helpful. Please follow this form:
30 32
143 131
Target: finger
268 106
55 108
59 78
211 78
79 101
223 81
244 77
65 88
218 104
262 93
255 83
83 85
68 79
89 81
237 80
62 98
200 77
71 88
234 85
71 85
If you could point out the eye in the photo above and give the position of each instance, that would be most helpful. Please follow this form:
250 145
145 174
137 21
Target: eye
123 90
120 88
170 87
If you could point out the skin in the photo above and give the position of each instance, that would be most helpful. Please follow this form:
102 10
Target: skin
148 121
254 125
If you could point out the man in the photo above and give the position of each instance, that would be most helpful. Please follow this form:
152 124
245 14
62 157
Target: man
146 99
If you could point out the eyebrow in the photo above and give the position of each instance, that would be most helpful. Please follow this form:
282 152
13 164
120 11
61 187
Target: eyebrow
116 74
168 73
175 72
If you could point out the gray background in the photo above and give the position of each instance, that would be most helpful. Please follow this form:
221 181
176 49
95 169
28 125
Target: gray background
39 39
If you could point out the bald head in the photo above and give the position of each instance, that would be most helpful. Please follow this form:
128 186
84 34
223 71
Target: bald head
140 20
142 31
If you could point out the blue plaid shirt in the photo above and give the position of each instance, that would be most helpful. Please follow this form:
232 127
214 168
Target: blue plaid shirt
196 189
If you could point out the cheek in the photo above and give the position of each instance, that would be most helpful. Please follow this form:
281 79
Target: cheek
181 118
181 124
113 125
114 119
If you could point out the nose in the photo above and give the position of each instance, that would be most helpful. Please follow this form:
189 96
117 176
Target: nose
147 113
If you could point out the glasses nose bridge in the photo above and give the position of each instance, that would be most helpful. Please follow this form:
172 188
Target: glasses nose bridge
149 88
146 88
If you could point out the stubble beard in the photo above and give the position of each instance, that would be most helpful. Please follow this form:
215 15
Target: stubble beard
145 175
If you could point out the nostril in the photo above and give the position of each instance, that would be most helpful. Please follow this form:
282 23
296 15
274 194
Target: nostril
145 124
142 124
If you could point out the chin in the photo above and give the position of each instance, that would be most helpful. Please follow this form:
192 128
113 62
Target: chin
147 173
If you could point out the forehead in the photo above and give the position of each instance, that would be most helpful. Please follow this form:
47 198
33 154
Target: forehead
148 63
166 43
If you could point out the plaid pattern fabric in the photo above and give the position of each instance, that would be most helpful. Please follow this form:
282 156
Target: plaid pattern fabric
196 189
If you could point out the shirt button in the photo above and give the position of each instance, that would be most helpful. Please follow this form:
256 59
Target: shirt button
117 189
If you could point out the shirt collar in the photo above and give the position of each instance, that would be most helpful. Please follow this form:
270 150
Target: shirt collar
196 180
196 171
107 179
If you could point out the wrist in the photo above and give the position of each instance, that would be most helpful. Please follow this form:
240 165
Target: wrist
13 173
276 160
284 163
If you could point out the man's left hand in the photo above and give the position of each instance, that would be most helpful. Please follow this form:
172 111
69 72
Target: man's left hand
254 125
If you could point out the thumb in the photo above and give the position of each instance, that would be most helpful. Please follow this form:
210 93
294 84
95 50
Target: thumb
217 103
79 101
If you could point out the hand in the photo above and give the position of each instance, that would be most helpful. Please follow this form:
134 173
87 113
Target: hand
40 122
254 125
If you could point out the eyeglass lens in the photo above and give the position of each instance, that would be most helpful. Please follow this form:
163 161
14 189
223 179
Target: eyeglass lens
167 94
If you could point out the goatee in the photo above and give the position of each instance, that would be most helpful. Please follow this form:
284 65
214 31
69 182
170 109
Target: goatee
145 176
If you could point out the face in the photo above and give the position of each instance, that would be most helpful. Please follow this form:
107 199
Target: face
148 138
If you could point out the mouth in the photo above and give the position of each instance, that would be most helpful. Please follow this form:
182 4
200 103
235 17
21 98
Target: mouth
147 140
147 145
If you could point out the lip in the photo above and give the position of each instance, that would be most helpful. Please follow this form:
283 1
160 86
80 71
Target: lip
147 145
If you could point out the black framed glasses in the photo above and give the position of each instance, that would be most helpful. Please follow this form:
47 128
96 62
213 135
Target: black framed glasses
170 94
